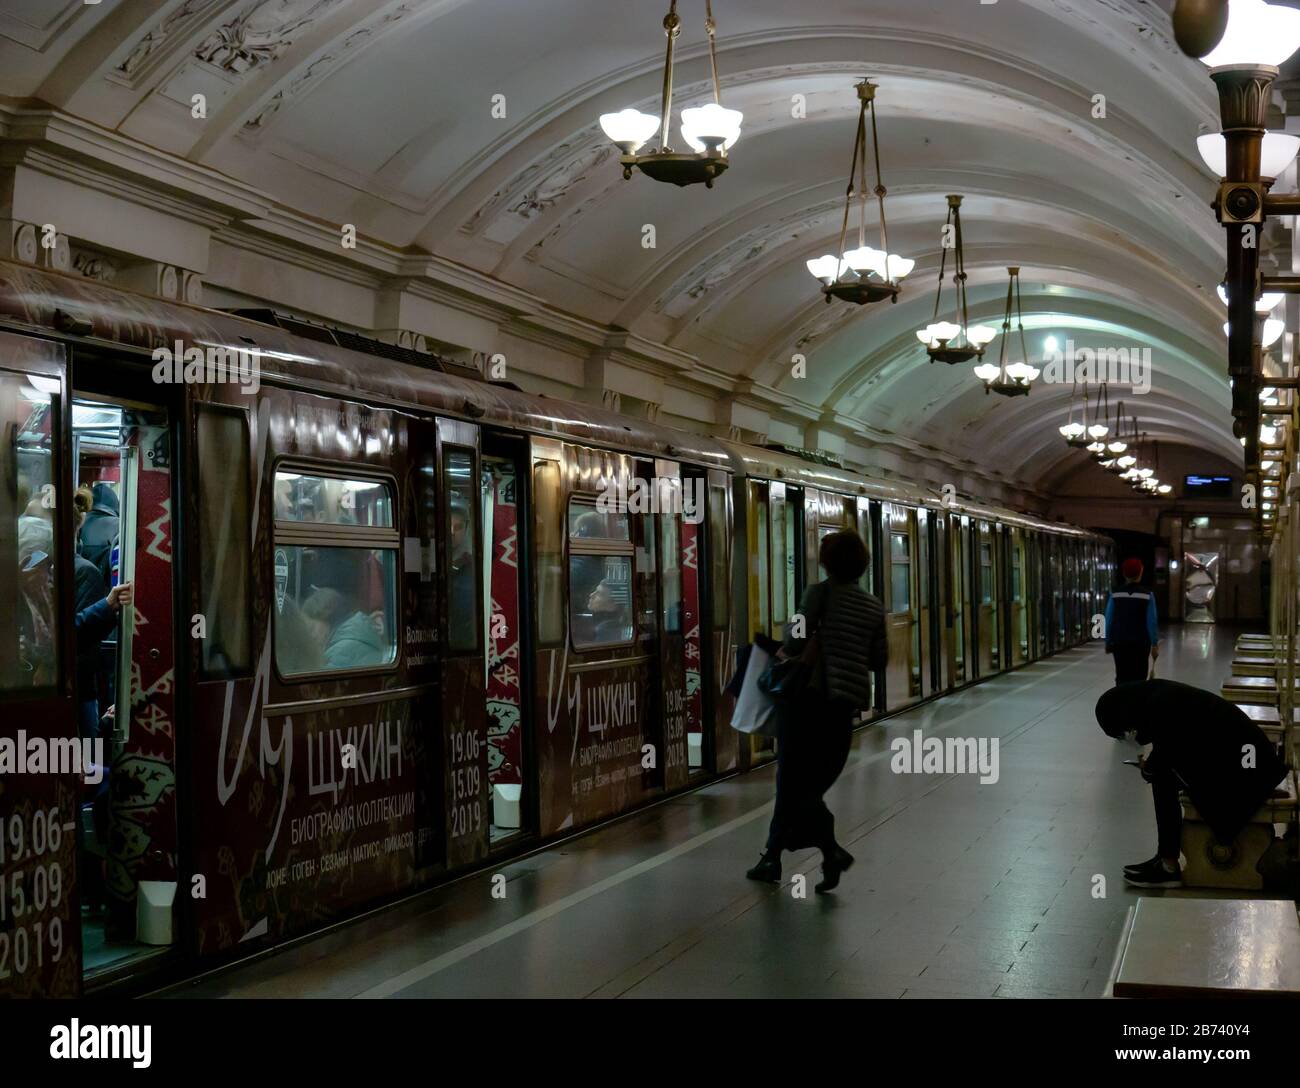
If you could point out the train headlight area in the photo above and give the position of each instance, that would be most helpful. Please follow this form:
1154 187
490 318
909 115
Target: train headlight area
438 561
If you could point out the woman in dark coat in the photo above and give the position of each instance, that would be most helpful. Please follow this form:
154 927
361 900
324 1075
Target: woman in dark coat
1200 743
815 731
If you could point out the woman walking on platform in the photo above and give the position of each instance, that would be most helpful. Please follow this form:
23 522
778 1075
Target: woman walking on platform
845 642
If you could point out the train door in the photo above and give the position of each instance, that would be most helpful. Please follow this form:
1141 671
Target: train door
870 582
784 507
901 677
695 624
123 456
941 564
757 543
674 620
719 661
961 664
924 636
507 662
1019 610
987 595
40 923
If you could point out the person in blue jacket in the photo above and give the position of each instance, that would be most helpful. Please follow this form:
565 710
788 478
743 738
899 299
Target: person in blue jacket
1132 633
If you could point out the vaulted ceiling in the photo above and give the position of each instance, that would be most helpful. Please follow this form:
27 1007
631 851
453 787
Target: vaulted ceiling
380 113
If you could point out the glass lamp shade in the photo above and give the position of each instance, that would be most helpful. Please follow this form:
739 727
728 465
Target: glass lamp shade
629 129
979 335
1275 155
987 372
865 259
707 128
1022 372
938 334
1273 330
1097 448
1146 473
1164 489
1263 305
1128 461
1071 430
895 268
1130 474
826 268
1257 33
1117 447
1099 431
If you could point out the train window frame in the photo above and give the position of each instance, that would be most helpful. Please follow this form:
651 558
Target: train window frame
895 561
601 548
209 410
475 526
331 535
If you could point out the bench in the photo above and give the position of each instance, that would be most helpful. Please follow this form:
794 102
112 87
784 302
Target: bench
1258 690
1254 641
1180 947
1256 665
1210 865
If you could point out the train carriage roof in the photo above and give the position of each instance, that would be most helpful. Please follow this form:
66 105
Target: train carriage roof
114 317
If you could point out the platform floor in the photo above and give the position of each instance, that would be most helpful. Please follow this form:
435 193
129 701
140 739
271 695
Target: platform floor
960 889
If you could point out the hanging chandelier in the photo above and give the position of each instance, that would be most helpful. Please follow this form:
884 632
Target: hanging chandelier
711 130
862 275
1014 379
947 341
1100 427
1075 432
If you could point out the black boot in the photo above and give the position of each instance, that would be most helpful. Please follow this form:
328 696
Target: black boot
835 861
768 869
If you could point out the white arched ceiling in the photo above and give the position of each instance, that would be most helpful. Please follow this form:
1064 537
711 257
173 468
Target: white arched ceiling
378 113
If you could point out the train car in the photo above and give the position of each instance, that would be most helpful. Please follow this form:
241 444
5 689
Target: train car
389 623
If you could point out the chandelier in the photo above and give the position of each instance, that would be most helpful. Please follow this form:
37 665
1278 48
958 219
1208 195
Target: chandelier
862 275
711 130
947 341
1075 432
1014 379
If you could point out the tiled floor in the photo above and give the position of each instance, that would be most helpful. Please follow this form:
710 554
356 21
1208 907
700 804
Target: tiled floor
1010 889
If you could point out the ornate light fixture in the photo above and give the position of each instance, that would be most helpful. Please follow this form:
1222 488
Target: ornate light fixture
710 130
862 275
947 341
1076 433
1010 380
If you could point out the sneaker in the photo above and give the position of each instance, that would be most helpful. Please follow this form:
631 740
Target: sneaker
1142 864
1154 875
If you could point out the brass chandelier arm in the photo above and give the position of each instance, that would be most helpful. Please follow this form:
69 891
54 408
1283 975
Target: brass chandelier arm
1020 318
1006 329
848 193
943 264
711 28
880 186
961 268
672 27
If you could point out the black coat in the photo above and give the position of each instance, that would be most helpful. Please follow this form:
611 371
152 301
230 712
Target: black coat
1204 740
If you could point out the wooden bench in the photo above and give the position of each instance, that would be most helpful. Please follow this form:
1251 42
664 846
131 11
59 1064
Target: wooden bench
1258 665
1254 640
1257 690
1210 865
1180 947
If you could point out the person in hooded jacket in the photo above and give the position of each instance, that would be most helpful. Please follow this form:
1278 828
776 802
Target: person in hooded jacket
815 732
99 532
1202 744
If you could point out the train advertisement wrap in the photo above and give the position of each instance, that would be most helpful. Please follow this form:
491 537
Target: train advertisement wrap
311 814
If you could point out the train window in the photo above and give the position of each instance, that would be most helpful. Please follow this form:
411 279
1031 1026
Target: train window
1015 571
720 588
463 497
28 528
330 500
764 591
900 573
600 576
779 613
986 572
550 545
923 559
225 577
335 581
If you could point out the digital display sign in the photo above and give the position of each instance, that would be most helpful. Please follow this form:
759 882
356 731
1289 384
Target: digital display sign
1208 487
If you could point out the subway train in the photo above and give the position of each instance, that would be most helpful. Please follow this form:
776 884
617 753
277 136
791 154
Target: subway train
392 622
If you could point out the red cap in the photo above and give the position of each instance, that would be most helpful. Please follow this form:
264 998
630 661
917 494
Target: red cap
1131 569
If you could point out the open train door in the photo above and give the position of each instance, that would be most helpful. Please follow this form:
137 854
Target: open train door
40 946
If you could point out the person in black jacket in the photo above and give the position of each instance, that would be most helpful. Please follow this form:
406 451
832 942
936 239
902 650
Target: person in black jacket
99 533
1200 743
815 731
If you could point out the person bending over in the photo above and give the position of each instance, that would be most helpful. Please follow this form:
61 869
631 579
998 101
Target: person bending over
1132 634
1200 743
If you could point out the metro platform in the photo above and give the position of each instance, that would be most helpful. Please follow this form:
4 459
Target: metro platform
961 889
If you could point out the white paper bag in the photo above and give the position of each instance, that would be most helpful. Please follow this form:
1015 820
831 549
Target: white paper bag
755 712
